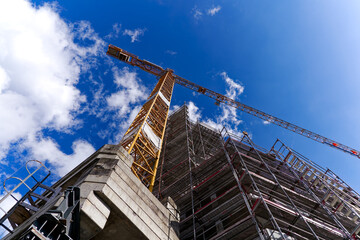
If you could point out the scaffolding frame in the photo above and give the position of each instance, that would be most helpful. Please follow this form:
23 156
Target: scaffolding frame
191 161
227 187
330 191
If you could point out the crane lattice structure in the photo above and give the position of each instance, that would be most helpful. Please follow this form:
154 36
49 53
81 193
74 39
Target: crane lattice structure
144 137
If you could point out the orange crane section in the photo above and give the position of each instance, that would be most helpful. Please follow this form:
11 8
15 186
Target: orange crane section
158 71
143 139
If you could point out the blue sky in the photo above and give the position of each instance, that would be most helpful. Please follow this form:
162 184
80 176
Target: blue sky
62 98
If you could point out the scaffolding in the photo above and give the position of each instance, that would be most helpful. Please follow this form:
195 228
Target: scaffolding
226 187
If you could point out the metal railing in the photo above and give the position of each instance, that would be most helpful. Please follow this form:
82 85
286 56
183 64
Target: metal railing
322 186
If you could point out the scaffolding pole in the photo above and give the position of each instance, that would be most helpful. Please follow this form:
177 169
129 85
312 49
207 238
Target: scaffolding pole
247 172
191 157
301 178
247 138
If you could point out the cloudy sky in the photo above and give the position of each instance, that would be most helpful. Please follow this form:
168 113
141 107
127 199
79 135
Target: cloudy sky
61 97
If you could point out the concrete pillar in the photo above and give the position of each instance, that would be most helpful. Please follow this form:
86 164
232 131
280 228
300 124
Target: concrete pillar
115 204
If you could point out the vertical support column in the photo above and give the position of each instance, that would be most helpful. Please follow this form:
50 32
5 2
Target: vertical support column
308 186
242 192
143 139
201 140
191 156
162 165
254 185
247 138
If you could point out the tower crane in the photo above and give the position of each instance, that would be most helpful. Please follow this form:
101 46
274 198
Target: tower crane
144 137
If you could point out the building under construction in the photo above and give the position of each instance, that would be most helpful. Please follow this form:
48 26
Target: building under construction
227 187
210 185
171 178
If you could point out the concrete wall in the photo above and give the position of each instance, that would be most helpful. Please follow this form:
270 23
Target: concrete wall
116 205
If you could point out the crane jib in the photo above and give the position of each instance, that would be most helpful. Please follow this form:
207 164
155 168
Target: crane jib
158 71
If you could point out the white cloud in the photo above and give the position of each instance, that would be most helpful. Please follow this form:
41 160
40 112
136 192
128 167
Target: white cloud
213 11
127 101
194 112
266 122
134 34
93 47
131 116
47 150
197 13
228 116
116 27
6 205
130 91
235 89
40 65
215 125
173 109
170 52
9 202
122 123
